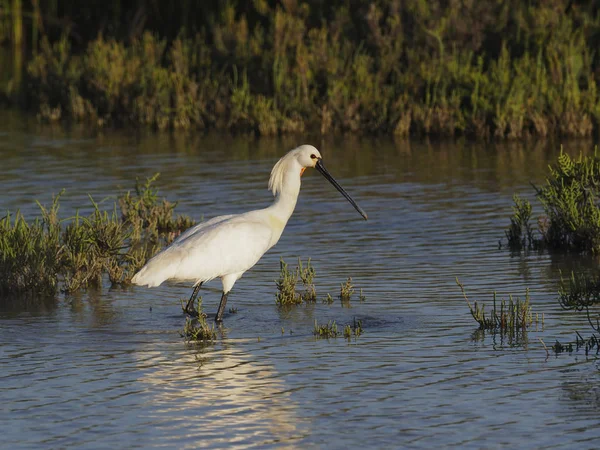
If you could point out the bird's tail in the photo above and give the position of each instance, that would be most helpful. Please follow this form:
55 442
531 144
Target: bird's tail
155 271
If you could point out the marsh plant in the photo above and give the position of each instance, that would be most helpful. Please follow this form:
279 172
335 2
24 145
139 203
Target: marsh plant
346 291
287 293
505 316
327 330
570 199
330 330
149 216
197 329
30 254
50 254
354 330
328 300
286 286
581 292
412 67
589 345
307 276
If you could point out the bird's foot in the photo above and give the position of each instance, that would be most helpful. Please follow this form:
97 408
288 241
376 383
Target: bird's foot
193 313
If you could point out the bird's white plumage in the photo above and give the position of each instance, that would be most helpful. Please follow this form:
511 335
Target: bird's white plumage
227 246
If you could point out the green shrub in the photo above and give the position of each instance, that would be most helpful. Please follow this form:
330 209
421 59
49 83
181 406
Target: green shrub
570 199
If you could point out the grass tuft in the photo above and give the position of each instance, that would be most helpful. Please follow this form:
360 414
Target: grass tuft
49 254
328 330
197 329
514 315
287 294
353 330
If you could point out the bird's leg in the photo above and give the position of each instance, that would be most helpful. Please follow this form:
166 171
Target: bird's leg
189 308
221 310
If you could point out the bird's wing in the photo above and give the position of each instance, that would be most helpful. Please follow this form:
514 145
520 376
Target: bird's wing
227 246
201 225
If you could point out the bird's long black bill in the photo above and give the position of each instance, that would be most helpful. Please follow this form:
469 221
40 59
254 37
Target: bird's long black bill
321 168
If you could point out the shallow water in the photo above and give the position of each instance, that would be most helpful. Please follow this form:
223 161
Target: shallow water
109 368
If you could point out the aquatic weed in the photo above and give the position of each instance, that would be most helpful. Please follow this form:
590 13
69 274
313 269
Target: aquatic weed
353 330
287 293
286 286
48 253
346 290
307 275
328 300
590 344
328 330
148 214
361 296
516 314
197 329
30 253
570 199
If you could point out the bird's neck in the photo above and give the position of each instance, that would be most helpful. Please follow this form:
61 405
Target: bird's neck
286 198
283 206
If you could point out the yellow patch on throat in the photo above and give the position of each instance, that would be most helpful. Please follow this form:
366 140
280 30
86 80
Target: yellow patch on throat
302 170
276 223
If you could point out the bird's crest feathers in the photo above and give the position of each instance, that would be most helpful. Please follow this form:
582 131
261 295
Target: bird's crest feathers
279 169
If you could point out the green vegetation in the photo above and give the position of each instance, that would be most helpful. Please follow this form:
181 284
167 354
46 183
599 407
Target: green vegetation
490 68
570 199
514 315
40 257
287 294
197 329
581 292
328 330
593 342
328 300
28 254
346 291
353 330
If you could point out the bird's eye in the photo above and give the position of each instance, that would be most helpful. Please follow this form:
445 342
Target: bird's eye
313 156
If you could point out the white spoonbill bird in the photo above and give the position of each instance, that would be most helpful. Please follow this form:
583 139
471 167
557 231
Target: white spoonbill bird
227 246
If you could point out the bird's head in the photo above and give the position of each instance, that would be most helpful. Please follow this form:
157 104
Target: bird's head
307 156
300 159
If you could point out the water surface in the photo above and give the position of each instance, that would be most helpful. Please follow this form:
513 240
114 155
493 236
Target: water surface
108 368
